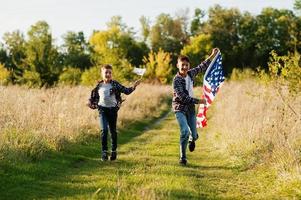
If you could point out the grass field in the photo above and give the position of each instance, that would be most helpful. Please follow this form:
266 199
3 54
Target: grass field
34 121
147 168
257 127
222 166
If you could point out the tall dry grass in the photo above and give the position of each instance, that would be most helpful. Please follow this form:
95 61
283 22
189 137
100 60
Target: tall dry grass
34 120
254 126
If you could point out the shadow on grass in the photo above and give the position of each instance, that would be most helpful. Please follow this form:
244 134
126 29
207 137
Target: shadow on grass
54 175
58 176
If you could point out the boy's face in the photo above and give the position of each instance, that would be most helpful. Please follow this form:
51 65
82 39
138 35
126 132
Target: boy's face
106 74
183 67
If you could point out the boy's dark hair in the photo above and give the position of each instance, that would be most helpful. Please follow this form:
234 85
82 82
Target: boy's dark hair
183 58
106 66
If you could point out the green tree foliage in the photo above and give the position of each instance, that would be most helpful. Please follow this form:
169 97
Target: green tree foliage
106 50
3 55
42 57
244 55
297 5
196 23
158 66
117 46
222 26
15 45
32 79
197 51
168 34
276 30
70 76
145 27
76 50
198 48
246 40
132 50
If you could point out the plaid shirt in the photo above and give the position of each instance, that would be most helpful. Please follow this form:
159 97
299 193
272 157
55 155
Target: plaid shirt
181 100
117 88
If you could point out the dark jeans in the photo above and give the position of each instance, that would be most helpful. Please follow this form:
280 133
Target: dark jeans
108 120
187 123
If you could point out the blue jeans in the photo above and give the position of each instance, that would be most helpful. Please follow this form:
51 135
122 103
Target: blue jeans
187 123
108 120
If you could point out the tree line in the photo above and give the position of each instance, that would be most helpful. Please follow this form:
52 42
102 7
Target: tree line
245 40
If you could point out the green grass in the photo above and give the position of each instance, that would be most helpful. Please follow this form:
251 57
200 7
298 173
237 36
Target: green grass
147 168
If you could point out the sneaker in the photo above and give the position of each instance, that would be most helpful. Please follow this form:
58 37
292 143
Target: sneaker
113 155
183 161
191 146
104 156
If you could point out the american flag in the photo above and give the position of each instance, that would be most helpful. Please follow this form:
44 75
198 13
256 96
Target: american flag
213 79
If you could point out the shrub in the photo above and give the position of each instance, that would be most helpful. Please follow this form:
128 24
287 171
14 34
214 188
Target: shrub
70 76
31 79
158 66
4 75
90 76
286 70
238 74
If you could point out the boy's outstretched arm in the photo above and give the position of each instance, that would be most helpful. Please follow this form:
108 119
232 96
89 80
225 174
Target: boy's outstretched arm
127 90
204 65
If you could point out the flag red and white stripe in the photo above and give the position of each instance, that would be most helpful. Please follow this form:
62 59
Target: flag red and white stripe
213 80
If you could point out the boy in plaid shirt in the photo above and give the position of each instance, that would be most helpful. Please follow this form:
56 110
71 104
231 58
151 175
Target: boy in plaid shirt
183 102
106 97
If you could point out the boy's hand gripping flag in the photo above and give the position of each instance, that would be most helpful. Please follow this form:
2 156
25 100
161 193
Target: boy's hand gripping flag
213 79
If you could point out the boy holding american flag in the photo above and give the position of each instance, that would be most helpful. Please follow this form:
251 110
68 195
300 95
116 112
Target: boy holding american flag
183 101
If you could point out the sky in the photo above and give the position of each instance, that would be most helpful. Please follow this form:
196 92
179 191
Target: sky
89 15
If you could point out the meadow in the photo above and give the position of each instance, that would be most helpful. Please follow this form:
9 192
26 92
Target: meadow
33 121
50 139
257 126
50 146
